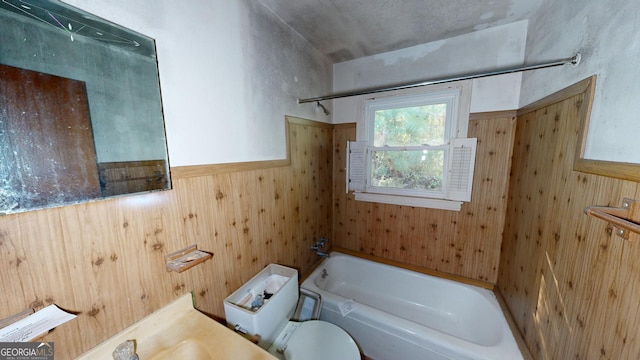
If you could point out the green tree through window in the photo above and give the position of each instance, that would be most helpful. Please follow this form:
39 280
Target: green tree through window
413 126
400 160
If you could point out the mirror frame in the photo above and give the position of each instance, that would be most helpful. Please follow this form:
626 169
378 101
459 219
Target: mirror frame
147 49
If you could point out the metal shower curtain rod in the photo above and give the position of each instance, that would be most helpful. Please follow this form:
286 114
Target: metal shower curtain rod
574 60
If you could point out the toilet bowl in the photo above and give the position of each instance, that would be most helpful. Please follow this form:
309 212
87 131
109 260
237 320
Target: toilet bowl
314 340
320 340
269 308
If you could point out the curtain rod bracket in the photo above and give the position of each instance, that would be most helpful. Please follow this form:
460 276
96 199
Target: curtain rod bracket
576 60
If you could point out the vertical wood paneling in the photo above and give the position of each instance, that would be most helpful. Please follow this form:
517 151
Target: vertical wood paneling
572 286
465 243
104 259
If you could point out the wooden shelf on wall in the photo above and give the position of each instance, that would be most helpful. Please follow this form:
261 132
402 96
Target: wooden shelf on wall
186 258
625 219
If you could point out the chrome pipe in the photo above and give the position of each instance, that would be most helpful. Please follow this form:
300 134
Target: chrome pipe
574 60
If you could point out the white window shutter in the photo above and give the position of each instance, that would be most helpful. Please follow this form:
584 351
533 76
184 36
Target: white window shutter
461 166
356 165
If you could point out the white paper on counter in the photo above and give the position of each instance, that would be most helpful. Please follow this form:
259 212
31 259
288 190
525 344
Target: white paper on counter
35 325
346 307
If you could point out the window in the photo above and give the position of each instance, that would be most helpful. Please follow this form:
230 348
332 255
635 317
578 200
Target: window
411 151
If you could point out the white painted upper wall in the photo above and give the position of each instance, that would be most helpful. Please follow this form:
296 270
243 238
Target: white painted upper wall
484 50
605 32
229 72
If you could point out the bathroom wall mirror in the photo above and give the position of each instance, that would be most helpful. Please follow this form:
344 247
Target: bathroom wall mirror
80 108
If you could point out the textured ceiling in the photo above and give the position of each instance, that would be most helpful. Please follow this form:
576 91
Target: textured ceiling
349 29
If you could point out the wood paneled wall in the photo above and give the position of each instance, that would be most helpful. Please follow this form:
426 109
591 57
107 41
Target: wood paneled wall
104 259
572 286
465 243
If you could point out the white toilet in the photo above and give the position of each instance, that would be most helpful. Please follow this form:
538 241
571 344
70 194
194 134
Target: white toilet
270 308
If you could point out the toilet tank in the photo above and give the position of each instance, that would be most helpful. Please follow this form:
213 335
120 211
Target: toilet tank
280 283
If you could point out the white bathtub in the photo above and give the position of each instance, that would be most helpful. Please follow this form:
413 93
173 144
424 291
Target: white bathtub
405 315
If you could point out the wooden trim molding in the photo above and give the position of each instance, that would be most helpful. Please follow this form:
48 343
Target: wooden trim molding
612 169
182 172
522 345
493 115
583 86
344 125
419 269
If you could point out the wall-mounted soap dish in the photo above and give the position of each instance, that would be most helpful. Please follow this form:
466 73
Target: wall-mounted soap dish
186 258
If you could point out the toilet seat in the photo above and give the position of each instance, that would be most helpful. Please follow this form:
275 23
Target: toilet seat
320 340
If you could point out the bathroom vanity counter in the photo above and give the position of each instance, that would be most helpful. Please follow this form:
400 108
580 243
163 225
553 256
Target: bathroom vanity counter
179 331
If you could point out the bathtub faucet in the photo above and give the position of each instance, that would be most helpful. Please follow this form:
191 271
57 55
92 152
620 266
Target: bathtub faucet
318 245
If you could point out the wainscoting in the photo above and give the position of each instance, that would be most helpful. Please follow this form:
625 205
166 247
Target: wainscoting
570 282
464 244
104 260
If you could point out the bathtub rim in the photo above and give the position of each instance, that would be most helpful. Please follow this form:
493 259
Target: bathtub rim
515 331
418 269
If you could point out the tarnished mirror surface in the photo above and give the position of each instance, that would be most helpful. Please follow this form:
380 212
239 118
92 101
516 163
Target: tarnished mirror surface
80 108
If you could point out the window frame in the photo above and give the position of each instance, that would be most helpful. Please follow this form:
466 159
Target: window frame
458 94
450 97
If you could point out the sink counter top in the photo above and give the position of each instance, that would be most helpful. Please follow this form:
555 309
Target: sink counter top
179 331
